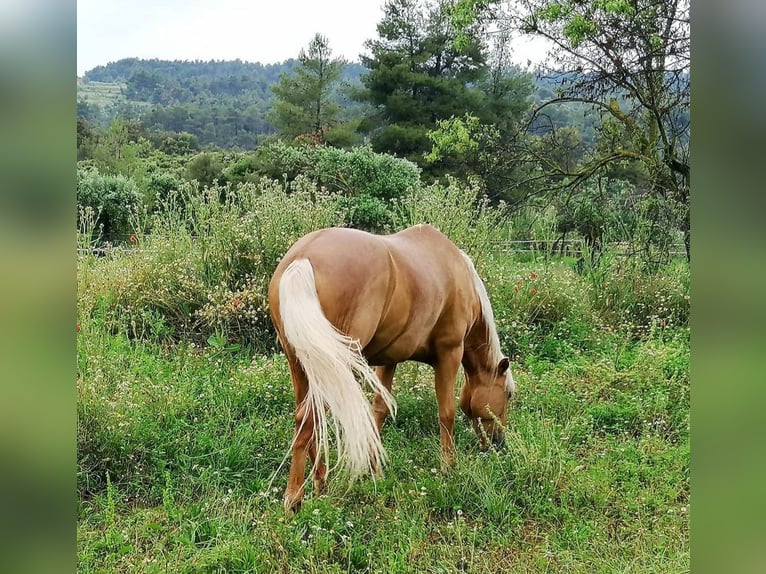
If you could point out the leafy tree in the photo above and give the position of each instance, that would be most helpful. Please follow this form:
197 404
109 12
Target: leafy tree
481 143
304 98
627 59
417 76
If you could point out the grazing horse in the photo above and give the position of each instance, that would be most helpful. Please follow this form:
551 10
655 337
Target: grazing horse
342 300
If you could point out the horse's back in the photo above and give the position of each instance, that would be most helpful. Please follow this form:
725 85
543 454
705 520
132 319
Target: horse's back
397 294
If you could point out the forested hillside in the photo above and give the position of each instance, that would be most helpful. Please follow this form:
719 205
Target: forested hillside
223 103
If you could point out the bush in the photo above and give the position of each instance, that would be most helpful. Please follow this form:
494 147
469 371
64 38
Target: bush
361 171
629 298
204 268
371 179
115 198
366 212
458 211
160 185
206 168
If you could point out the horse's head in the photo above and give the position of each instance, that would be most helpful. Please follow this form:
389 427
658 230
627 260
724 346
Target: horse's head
484 398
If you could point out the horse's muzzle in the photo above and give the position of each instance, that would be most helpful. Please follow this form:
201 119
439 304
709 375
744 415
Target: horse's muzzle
498 440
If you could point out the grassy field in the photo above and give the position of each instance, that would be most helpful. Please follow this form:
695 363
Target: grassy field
181 445
103 94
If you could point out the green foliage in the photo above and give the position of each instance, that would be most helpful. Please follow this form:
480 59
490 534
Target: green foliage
304 101
205 266
366 212
361 171
160 186
367 181
116 200
458 211
206 168
417 77
454 136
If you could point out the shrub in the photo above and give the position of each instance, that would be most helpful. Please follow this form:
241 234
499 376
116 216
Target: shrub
205 266
366 212
280 161
115 198
458 211
361 171
629 298
206 168
160 184
356 172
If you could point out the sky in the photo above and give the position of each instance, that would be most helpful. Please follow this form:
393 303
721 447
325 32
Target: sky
265 31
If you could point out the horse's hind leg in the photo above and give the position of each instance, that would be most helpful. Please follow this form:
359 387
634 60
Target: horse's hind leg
385 375
304 443
379 409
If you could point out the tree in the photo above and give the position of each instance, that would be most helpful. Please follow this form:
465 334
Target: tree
417 77
481 143
304 99
629 60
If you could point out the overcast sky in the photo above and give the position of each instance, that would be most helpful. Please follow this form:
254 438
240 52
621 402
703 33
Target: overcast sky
265 31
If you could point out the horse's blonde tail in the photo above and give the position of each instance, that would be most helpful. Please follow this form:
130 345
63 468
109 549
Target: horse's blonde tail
331 361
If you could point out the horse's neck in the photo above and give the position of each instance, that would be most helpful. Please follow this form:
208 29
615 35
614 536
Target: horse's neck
477 350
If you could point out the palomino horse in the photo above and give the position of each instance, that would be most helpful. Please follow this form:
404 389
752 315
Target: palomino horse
342 300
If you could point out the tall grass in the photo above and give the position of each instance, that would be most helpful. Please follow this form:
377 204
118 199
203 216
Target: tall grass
185 414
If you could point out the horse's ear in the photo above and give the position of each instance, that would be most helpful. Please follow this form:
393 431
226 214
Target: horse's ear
502 368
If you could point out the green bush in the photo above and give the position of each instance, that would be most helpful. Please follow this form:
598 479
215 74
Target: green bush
629 298
366 212
280 161
458 211
361 171
160 185
206 168
116 200
204 268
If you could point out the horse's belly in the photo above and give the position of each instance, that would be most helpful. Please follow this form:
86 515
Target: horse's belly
406 345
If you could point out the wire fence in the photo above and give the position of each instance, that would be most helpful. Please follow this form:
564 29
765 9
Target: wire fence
568 247
565 248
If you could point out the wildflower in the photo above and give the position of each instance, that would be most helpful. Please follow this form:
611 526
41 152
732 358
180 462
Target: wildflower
515 289
132 239
663 323
533 290
533 275
78 327
236 303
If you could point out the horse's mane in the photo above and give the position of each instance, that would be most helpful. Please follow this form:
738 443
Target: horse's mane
495 355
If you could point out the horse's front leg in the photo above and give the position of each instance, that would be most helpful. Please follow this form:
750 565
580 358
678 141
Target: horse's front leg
446 369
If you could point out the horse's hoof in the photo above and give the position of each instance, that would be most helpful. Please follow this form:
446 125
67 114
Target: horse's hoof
292 504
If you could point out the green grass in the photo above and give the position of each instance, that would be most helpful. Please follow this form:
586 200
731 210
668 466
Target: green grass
179 453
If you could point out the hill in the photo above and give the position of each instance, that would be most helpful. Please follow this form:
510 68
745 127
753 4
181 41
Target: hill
223 103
